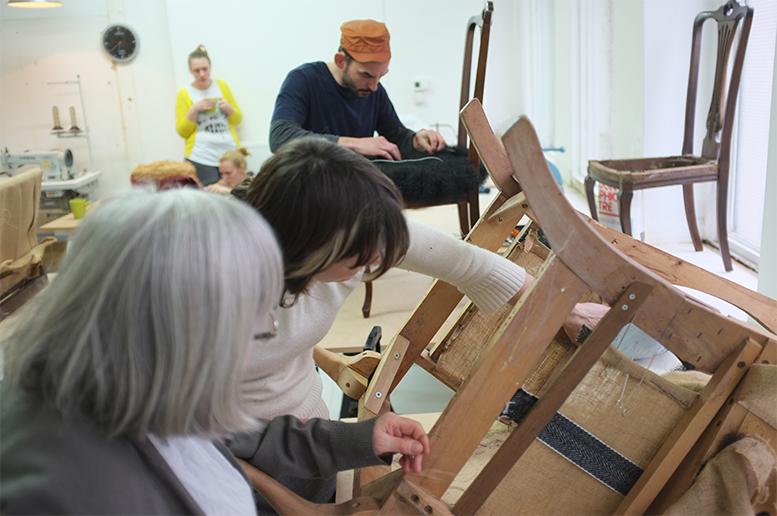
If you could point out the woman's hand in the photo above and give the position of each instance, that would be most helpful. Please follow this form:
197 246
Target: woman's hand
226 107
205 104
395 434
219 188
583 313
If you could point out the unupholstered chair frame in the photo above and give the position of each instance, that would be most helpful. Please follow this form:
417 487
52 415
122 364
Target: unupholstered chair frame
686 170
582 258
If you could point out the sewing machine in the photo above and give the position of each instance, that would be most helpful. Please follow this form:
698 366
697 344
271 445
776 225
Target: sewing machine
55 163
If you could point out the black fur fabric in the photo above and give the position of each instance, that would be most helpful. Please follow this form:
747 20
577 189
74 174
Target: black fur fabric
441 177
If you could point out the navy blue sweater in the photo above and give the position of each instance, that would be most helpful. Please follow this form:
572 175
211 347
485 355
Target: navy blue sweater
311 101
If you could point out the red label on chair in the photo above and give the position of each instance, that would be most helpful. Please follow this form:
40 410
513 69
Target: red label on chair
609 210
607 205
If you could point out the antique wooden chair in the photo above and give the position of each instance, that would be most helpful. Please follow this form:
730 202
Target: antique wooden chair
484 358
713 163
467 202
469 209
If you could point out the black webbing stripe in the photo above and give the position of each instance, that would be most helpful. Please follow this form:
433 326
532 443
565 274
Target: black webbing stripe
578 446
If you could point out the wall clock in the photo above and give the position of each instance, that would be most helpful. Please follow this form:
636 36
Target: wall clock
120 42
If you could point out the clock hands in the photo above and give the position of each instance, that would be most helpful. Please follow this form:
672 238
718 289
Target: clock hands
119 43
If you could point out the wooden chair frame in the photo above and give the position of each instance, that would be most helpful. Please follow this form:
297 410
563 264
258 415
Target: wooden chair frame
582 258
713 163
484 22
468 204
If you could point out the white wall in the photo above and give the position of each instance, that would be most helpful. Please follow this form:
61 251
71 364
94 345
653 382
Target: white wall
626 64
617 90
252 44
767 276
126 106
427 43
667 59
630 82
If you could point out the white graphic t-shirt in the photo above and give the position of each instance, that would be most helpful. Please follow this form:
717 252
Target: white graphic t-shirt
213 137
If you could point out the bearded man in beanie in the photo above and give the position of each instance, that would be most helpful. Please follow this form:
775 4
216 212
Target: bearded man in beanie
344 102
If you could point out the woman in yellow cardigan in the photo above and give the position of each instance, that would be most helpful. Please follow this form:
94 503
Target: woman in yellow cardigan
206 114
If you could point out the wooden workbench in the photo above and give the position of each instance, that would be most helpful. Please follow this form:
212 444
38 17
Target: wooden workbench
64 224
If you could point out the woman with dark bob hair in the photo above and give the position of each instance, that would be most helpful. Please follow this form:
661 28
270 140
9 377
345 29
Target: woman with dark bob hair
123 377
334 213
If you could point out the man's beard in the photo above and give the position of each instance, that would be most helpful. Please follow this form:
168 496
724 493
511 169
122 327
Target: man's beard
361 93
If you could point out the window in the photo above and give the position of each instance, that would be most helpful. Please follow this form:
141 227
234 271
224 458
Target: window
748 174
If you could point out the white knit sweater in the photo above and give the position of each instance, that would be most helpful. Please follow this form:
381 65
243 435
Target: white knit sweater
281 376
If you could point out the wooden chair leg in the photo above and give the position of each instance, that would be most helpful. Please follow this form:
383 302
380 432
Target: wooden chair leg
723 224
367 306
463 218
624 209
590 182
474 209
690 216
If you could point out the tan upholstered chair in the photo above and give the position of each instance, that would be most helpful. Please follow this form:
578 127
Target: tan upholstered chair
21 268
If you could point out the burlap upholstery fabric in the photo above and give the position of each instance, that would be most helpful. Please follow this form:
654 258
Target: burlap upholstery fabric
543 482
743 480
691 380
460 349
758 392
740 477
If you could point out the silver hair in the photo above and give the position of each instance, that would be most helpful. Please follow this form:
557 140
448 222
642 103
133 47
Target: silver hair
149 323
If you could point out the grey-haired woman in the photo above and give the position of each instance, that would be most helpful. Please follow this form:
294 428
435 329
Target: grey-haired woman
123 377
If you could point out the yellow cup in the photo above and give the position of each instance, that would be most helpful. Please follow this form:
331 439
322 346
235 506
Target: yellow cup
79 207
215 106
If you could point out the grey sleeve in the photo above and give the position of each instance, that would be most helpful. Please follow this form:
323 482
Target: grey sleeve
318 448
282 131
